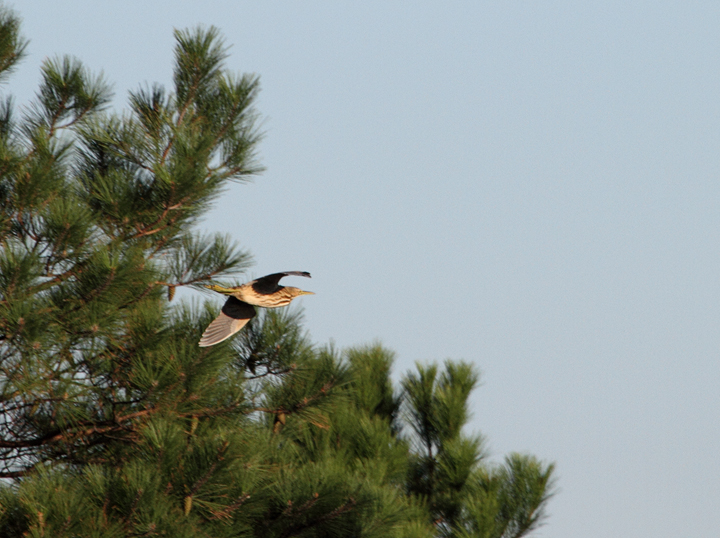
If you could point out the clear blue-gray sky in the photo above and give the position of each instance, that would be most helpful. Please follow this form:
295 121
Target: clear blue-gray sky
530 186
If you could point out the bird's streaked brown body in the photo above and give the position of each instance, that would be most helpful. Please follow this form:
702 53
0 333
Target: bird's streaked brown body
240 306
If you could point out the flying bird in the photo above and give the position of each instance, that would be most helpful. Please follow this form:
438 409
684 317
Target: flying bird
240 306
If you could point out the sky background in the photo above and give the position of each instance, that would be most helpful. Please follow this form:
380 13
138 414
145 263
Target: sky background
529 186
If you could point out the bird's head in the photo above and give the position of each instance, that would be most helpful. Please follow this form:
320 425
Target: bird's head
297 292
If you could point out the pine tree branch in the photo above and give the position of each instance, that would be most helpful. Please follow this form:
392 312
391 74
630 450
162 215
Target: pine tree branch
204 278
203 480
16 474
97 291
159 246
147 230
58 435
181 116
214 411
124 151
226 513
56 279
137 298
298 529
302 404
270 371
55 117
24 228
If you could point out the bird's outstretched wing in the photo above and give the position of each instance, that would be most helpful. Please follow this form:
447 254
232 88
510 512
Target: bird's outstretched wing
234 316
269 283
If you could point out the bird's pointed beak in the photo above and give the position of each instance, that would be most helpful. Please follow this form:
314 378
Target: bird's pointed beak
307 292
219 289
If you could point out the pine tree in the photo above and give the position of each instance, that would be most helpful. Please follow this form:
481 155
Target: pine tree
464 497
113 422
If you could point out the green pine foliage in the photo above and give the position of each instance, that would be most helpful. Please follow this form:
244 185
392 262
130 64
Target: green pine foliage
114 423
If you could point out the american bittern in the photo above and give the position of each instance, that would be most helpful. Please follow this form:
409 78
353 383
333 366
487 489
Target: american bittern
240 306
